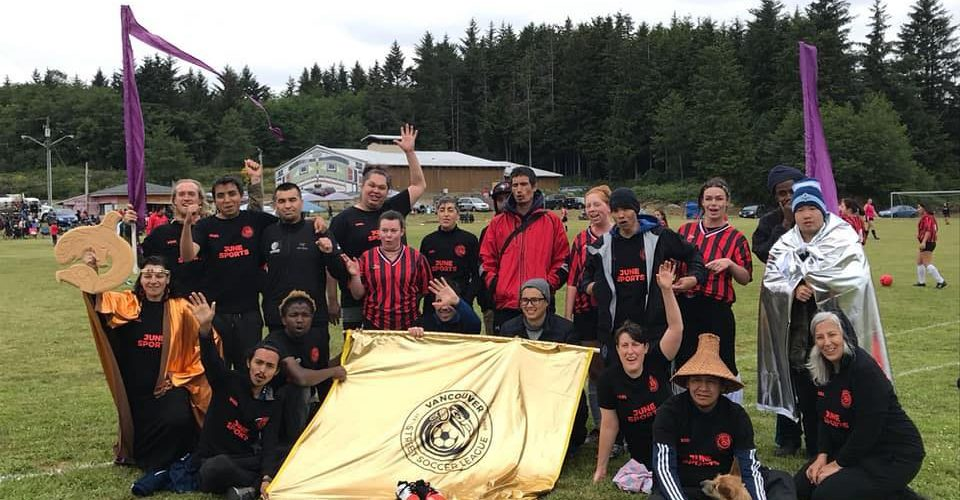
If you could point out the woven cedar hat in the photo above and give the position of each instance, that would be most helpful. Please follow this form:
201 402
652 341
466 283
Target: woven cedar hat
706 361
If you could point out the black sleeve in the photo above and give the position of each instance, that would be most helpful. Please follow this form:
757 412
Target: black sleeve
472 287
271 453
605 393
767 233
744 437
151 245
870 389
333 263
263 219
689 255
213 367
400 202
590 268
665 423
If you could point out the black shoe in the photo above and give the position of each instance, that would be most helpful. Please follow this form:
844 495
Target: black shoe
236 493
919 284
786 451
942 284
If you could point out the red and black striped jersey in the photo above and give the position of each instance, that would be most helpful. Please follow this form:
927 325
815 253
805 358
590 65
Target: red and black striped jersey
928 223
718 243
393 288
578 260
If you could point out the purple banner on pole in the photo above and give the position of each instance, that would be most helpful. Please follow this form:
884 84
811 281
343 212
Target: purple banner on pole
132 114
817 156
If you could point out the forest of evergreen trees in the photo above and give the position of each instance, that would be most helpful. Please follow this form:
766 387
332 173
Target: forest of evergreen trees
605 99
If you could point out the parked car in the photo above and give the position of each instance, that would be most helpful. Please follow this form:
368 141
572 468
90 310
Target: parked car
470 204
573 189
65 217
423 208
554 201
575 203
752 211
899 211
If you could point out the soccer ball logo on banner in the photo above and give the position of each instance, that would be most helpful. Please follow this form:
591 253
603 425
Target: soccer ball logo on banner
447 432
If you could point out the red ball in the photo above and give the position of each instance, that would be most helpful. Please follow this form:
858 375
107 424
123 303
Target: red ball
886 280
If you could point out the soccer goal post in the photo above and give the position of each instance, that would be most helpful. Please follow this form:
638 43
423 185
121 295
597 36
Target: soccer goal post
939 196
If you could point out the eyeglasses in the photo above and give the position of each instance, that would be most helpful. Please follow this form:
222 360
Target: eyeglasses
533 301
155 275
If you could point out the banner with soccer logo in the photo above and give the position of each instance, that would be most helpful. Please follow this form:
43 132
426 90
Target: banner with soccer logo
476 416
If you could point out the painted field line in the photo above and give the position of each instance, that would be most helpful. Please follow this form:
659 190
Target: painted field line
53 472
920 328
927 369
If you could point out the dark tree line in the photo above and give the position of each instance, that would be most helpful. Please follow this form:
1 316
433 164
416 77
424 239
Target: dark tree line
605 99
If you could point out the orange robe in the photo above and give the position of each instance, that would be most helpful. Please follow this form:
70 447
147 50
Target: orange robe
179 357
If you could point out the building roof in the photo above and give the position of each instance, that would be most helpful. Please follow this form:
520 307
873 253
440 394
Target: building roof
427 158
540 173
121 190
380 138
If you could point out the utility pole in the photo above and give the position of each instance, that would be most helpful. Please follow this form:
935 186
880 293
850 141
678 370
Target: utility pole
48 145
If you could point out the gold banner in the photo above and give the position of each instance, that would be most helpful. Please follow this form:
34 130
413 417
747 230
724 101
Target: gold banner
476 416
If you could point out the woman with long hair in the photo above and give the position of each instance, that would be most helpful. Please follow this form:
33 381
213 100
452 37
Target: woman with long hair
927 236
850 212
580 307
867 447
708 308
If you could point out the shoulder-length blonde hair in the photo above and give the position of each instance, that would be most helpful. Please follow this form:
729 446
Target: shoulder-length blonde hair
819 367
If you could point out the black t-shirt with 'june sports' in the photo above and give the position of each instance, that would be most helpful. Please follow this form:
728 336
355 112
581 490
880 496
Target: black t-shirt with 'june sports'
357 231
630 279
137 346
165 241
636 401
230 251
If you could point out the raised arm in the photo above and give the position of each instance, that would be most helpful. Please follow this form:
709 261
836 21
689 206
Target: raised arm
213 367
670 342
407 142
355 285
188 249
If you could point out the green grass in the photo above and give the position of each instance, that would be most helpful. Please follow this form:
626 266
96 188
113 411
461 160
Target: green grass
56 412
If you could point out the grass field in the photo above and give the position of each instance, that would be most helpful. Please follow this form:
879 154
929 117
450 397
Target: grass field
57 421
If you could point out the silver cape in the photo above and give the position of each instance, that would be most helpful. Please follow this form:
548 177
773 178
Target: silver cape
837 270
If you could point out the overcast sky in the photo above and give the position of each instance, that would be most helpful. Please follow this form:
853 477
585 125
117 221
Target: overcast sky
278 38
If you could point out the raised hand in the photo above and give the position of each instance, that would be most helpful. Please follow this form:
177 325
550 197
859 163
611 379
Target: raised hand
445 295
666 275
129 215
408 138
203 311
319 225
90 259
253 170
192 215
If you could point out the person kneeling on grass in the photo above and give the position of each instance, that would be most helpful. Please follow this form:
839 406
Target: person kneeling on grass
238 452
868 446
697 434
146 342
304 357
630 392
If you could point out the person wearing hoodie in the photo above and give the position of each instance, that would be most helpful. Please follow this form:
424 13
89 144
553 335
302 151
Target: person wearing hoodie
525 241
867 446
449 313
621 266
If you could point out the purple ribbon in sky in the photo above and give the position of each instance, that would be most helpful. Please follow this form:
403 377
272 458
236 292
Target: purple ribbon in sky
132 114
817 156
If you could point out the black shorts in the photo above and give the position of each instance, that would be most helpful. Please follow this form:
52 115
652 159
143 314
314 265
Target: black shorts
929 246
585 324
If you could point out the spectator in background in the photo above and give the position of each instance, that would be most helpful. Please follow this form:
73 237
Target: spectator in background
850 212
54 231
661 216
870 213
927 236
525 241
499 196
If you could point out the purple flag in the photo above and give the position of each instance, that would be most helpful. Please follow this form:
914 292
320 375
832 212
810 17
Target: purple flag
817 156
132 114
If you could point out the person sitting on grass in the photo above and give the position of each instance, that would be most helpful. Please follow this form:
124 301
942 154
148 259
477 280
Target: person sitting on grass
146 342
630 392
697 434
867 445
238 452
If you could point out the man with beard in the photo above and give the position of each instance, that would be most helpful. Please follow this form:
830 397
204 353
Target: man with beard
304 354
356 229
164 240
453 254
526 241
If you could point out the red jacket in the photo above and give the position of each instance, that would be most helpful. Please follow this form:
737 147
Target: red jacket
540 251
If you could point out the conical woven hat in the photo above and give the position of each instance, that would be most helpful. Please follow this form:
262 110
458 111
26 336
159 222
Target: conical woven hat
707 361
